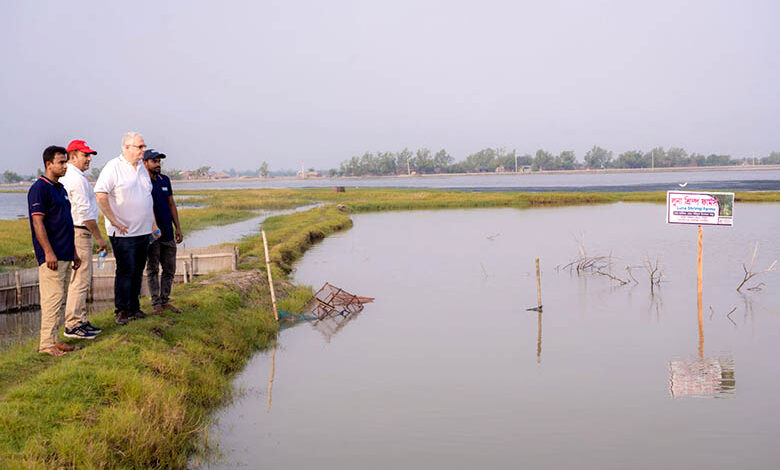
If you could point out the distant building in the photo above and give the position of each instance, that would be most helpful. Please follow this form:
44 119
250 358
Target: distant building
219 175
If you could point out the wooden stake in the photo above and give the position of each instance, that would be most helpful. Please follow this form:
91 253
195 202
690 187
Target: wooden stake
270 278
699 294
538 287
539 340
18 280
235 258
192 266
271 378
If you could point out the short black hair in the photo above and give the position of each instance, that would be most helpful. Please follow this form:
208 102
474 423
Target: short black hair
51 151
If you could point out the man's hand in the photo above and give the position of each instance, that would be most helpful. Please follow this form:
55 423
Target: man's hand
179 236
51 261
102 245
122 227
76 261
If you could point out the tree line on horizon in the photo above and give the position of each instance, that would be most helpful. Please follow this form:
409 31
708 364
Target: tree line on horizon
423 161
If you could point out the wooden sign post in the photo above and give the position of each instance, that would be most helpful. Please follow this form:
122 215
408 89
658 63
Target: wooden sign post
700 208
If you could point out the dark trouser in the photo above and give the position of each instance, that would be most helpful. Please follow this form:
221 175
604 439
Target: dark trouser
161 254
130 254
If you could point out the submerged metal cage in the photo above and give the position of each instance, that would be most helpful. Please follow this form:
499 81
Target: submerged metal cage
331 300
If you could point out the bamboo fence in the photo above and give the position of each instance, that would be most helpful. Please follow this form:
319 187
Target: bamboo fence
19 289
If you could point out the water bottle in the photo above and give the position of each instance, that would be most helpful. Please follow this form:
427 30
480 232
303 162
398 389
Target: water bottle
101 259
154 236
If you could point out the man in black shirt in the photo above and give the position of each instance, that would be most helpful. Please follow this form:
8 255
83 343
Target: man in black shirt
162 251
51 225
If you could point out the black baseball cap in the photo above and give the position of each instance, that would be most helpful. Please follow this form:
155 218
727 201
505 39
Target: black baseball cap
152 153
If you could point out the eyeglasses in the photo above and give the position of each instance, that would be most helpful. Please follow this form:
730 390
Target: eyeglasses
141 147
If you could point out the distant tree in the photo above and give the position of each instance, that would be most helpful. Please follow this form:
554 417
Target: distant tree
95 172
772 159
442 161
404 161
202 171
677 156
423 161
173 173
263 171
657 157
11 177
565 161
543 161
632 159
598 158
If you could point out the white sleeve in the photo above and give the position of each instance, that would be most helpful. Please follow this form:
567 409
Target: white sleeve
106 181
79 202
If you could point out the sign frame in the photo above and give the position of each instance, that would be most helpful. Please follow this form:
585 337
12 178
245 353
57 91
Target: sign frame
696 208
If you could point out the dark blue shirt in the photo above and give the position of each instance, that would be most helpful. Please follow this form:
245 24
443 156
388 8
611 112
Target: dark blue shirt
50 200
161 191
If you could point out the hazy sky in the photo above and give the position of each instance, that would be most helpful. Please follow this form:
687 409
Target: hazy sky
232 83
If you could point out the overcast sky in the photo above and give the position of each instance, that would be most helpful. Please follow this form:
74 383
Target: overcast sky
233 83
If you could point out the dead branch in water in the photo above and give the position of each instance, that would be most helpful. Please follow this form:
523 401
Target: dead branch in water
750 274
654 272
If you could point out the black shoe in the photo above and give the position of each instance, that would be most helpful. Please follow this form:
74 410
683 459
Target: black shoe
79 333
122 318
87 326
139 315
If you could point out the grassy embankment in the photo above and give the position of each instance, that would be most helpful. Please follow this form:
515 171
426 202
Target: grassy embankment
140 395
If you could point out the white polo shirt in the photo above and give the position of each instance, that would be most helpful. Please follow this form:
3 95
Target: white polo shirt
129 195
83 205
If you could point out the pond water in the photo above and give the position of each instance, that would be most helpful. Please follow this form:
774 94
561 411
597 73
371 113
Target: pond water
447 368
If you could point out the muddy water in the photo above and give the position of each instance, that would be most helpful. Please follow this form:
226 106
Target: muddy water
447 369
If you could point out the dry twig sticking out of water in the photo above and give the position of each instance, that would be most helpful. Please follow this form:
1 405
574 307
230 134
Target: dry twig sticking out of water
750 274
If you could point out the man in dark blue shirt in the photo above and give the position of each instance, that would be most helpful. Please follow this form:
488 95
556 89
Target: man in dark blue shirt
162 251
51 225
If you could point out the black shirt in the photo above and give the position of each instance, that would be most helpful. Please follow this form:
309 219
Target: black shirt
50 200
161 191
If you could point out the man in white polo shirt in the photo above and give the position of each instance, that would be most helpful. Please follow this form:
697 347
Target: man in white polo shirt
84 211
124 195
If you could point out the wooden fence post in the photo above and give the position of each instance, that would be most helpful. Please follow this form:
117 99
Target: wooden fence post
270 278
235 258
18 280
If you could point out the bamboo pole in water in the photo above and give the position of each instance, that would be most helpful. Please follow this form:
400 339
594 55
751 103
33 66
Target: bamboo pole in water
699 293
538 287
539 341
270 278
271 378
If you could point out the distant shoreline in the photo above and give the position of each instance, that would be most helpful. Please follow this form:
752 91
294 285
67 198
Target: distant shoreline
486 173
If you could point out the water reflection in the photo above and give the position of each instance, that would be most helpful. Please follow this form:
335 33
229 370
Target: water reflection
330 326
271 378
705 377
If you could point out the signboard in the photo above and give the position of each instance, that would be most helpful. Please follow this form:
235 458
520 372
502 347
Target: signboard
699 208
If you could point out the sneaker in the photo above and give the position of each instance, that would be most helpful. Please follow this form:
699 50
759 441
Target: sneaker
122 318
171 308
79 333
87 326
139 315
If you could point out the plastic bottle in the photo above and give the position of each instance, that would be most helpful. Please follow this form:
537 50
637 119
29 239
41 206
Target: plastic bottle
101 259
154 236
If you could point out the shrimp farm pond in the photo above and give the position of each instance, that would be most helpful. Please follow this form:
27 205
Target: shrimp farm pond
448 368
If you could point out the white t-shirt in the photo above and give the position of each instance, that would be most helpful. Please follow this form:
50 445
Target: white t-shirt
129 195
83 205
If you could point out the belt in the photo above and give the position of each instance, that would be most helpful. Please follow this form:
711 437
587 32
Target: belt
82 227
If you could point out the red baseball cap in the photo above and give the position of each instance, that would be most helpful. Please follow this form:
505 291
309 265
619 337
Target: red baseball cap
80 145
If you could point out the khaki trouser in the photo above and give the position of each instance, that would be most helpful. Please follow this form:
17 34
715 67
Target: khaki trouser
76 308
52 286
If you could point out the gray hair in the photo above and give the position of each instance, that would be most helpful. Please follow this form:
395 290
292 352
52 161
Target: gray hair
128 138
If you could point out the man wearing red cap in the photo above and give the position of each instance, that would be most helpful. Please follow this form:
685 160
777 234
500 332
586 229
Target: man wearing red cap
84 211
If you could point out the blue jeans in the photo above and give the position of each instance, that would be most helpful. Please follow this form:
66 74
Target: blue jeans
130 254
